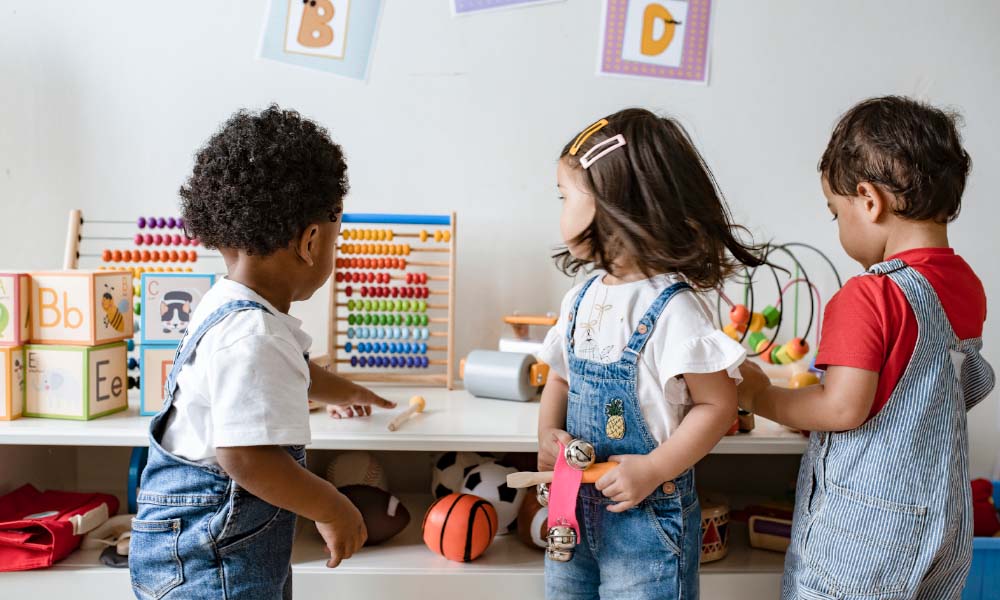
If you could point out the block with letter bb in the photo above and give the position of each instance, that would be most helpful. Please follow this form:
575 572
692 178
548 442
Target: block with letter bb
81 308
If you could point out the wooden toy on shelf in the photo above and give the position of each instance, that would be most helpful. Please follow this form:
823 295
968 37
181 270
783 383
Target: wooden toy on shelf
770 527
513 372
167 301
390 312
11 383
15 316
523 340
155 363
460 527
714 529
75 382
417 404
86 308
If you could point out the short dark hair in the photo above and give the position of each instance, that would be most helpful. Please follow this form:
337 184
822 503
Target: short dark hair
261 180
909 148
658 203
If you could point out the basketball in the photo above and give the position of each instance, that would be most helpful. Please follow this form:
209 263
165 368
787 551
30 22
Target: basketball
533 523
460 527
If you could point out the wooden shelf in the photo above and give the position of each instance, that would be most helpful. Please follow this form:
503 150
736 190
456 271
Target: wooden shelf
405 568
453 420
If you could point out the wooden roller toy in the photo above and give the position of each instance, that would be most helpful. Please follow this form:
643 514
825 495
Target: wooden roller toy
503 375
591 474
417 404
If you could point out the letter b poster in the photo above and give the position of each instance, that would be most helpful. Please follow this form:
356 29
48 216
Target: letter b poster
665 39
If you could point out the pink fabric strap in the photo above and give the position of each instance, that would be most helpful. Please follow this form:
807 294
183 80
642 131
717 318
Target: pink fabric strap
563 492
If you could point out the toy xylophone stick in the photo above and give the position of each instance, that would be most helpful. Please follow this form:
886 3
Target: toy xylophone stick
417 404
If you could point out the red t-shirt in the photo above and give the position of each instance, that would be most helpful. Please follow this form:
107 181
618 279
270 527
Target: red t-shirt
869 324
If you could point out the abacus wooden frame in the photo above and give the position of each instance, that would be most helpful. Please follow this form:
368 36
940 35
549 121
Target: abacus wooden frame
447 378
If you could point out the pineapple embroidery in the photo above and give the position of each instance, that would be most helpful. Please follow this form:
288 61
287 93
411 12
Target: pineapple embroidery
615 428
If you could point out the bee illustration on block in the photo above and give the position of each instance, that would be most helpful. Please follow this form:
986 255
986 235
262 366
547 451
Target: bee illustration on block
113 314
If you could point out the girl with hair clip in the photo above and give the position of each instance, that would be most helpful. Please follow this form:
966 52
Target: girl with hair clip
638 369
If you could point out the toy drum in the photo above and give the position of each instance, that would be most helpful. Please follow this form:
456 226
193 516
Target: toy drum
714 530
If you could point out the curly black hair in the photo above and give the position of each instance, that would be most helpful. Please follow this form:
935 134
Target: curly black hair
261 180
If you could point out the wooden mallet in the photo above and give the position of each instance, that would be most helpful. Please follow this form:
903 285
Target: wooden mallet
525 479
417 404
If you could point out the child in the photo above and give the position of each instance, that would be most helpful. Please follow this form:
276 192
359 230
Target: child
882 504
226 474
637 368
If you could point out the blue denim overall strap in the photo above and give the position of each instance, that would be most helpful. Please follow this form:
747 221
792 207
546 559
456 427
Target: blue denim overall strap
884 510
197 533
652 550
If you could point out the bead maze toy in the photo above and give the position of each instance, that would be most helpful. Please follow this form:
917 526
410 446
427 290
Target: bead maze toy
391 315
761 330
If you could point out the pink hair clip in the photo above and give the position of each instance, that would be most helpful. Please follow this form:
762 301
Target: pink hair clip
609 145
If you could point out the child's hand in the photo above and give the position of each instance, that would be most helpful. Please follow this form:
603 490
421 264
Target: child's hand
754 381
548 447
344 399
345 534
630 482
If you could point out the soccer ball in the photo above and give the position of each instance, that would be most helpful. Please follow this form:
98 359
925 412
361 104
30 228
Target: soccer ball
450 471
489 481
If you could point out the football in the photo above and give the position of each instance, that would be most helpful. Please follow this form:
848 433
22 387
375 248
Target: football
384 515
450 471
489 481
532 522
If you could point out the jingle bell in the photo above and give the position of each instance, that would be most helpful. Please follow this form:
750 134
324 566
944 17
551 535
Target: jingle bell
542 494
561 543
580 454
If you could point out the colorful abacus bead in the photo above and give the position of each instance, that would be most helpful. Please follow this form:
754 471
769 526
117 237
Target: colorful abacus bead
734 331
803 379
739 315
141 222
771 316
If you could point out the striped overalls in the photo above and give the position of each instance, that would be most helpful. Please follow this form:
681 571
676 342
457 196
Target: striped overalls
883 511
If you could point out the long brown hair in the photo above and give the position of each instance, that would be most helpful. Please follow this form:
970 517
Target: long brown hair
658 204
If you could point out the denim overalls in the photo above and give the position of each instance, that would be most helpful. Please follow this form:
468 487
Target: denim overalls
197 533
653 550
883 511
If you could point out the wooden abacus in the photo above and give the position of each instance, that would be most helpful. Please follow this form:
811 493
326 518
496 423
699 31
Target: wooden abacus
391 306
145 245
161 245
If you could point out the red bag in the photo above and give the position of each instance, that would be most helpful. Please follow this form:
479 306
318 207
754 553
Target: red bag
40 528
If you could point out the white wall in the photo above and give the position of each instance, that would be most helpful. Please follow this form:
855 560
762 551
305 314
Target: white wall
103 103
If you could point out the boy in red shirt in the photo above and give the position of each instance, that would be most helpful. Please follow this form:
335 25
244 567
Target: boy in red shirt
882 502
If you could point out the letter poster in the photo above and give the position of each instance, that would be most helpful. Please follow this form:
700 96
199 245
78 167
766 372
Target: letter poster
336 36
667 39
467 7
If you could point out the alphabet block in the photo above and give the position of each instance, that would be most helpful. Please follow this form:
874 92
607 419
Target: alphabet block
155 363
81 308
74 382
15 326
168 299
11 383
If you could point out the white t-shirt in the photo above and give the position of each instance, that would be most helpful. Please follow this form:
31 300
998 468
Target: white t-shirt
247 383
683 340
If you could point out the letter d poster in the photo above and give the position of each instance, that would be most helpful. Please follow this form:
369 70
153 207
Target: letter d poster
665 39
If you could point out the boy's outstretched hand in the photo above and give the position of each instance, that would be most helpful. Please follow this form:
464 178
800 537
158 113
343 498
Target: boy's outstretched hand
754 382
343 399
